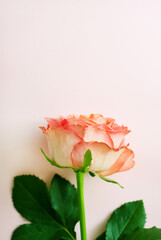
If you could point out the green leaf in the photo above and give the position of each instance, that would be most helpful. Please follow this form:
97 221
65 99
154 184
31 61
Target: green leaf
54 163
39 232
31 199
101 237
144 234
87 161
125 219
64 201
92 174
109 180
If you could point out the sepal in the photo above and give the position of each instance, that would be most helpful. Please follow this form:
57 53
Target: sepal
54 163
87 161
110 180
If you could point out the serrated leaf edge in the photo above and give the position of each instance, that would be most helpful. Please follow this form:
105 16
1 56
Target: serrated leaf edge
106 237
26 175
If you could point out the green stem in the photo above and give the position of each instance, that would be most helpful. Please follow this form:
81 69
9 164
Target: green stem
80 176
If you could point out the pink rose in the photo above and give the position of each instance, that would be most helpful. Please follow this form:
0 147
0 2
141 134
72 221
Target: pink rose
69 138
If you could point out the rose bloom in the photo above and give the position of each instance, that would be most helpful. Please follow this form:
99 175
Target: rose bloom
69 138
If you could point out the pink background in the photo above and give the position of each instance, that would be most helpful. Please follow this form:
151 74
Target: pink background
60 57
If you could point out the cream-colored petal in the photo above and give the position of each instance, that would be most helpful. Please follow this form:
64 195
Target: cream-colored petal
103 157
60 145
124 162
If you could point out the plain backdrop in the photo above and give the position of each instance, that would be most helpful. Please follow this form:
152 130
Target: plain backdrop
60 57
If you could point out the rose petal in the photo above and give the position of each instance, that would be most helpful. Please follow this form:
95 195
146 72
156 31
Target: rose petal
97 118
74 126
53 122
117 139
93 134
87 120
60 144
123 163
127 165
103 157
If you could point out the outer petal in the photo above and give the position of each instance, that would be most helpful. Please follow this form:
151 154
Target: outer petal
60 144
117 138
127 165
93 134
123 163
53 122
70 123
103 157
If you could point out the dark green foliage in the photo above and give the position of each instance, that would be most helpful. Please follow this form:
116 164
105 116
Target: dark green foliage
52 216
54 213
127 222
39 232
64 201
125 219
31 199
92 174
102 236
144 234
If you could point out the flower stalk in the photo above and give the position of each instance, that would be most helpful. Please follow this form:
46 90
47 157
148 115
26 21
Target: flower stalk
80 177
